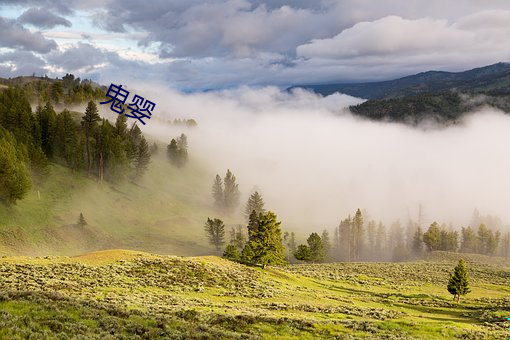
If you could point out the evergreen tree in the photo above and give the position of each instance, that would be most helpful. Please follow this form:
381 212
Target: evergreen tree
46 118
326 243
345 231
247 254
177 151
253 224
231 192
382 244
432 237
66 139
458 283
217 193
505 245
289 240
231 253
14 175
316 247
266 241
237 237
81 221
89 122
143 158
418 241
255 203
371 237
303 253
215 230
469 241
357 235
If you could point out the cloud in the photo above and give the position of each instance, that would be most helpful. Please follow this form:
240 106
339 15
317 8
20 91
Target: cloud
15 36
478 39
79 56
60 6
314 163
42 18
21 62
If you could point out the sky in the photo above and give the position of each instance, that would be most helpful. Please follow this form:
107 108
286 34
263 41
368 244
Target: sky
194 45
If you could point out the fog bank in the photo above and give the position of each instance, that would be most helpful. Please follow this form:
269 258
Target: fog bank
315 163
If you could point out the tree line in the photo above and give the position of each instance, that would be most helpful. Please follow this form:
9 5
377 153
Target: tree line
357 240
30 140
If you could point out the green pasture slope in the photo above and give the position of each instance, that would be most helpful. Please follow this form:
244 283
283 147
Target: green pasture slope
134 295
164 213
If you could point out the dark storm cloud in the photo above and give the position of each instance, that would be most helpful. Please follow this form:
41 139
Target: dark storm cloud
42 18
16 36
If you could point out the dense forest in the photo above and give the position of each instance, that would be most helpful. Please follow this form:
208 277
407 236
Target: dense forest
83 142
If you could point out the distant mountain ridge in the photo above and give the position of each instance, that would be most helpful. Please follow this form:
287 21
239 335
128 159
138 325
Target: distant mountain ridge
492 79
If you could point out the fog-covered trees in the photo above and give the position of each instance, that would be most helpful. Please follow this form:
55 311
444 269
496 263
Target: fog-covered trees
255 203
177 151
226 193
88 123
215 231
458 283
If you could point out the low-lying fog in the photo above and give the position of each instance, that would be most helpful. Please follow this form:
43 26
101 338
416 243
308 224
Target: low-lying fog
315 163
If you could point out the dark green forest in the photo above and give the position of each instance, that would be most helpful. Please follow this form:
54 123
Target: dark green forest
83 142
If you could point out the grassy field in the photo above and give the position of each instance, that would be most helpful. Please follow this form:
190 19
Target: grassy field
164 213
117 293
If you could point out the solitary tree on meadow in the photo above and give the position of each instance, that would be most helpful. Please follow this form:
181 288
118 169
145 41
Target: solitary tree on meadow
458 284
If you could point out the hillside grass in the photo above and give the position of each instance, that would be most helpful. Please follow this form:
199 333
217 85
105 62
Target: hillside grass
130 294
164 212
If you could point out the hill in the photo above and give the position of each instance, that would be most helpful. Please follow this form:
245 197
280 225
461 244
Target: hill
139 295
494 79
165 213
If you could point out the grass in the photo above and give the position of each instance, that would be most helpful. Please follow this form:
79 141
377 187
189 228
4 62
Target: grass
164 212
132 294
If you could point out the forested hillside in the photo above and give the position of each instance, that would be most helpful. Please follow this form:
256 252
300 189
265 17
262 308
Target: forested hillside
443 97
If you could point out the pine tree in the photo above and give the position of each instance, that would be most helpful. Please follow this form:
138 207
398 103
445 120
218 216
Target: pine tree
237 237
357 233
345 233
266 241
89 122
14 175
458 283
247 254
326 243
470 243
253 224
177 151
231 192
81 221
303 253
418 241
143 158
217 193
316 247
215 230
432 237
255 203
289 239
231 253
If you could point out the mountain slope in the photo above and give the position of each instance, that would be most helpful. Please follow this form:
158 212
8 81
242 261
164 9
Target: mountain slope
493 78
164 213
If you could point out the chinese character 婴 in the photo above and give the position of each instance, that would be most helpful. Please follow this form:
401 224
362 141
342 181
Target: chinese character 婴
140 107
